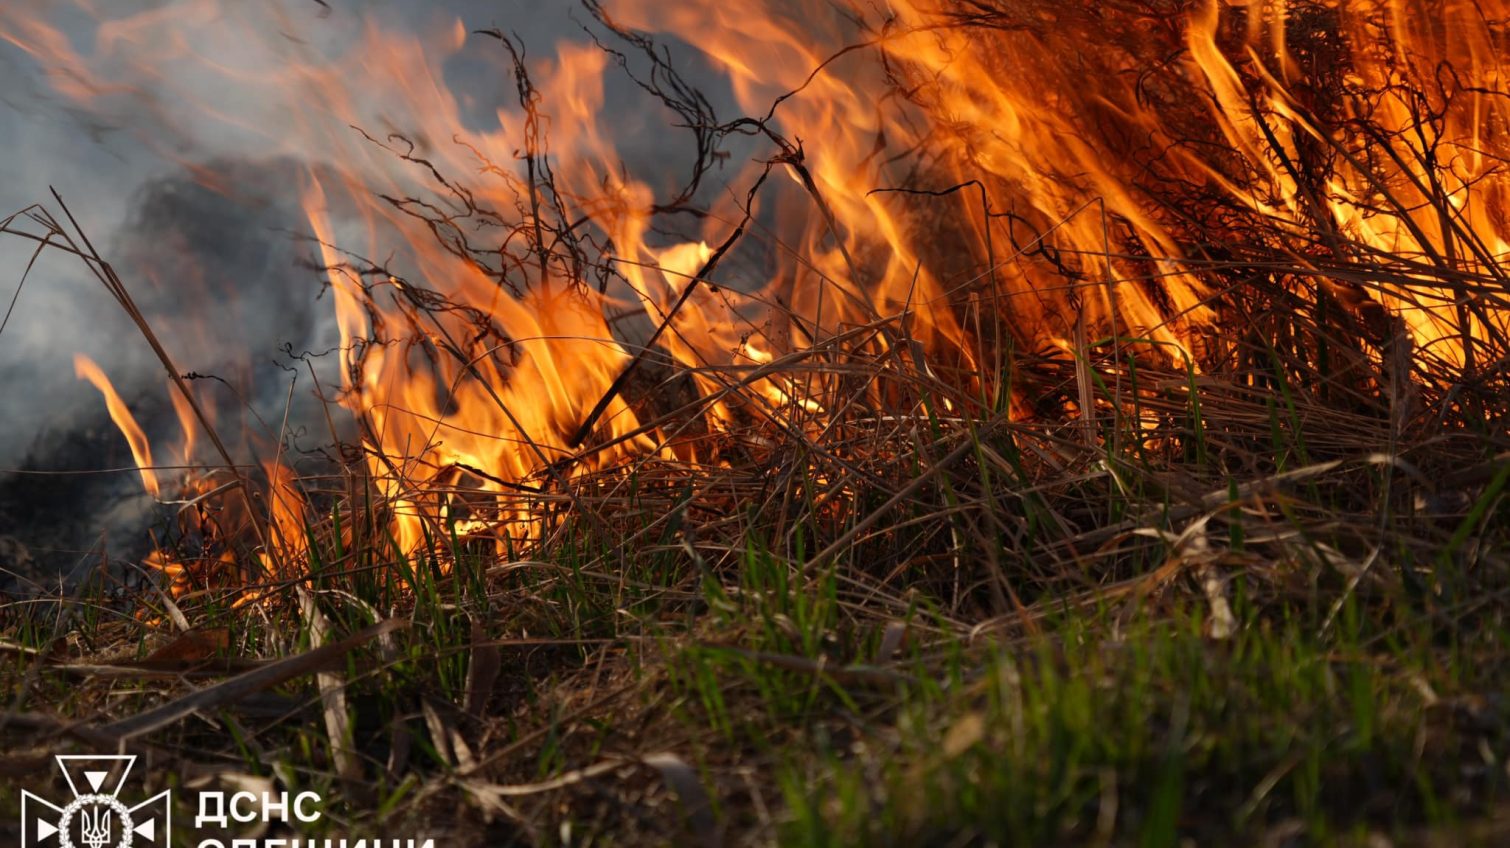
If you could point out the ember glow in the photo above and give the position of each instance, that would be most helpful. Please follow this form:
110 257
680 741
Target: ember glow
955 182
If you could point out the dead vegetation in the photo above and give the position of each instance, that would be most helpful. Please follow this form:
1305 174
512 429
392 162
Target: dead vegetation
1102 590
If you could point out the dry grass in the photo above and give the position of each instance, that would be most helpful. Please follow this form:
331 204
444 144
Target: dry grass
1103 598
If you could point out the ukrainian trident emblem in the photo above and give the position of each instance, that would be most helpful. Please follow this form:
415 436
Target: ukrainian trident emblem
96 817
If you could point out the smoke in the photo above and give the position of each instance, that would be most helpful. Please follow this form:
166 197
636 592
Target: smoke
223 278
184 183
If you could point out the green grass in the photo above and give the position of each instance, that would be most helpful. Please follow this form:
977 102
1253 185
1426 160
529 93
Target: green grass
1257 598
941 680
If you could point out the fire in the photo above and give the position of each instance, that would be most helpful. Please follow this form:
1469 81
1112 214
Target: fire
1441 146
288 520
141 451
957 184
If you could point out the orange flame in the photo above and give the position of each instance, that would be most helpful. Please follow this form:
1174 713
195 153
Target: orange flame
288 514
141 451
1034 149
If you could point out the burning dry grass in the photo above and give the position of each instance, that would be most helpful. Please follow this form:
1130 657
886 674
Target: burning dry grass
1202 540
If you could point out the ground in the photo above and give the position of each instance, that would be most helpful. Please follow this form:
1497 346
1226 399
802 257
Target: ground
1005 634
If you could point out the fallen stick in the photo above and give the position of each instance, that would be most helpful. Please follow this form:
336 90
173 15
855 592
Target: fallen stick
242 685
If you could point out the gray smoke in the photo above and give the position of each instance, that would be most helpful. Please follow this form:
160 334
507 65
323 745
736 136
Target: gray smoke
213 258
224 281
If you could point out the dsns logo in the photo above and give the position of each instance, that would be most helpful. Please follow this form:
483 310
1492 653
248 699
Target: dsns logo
95 817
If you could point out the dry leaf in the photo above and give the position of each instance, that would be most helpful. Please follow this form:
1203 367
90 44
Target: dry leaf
193 646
